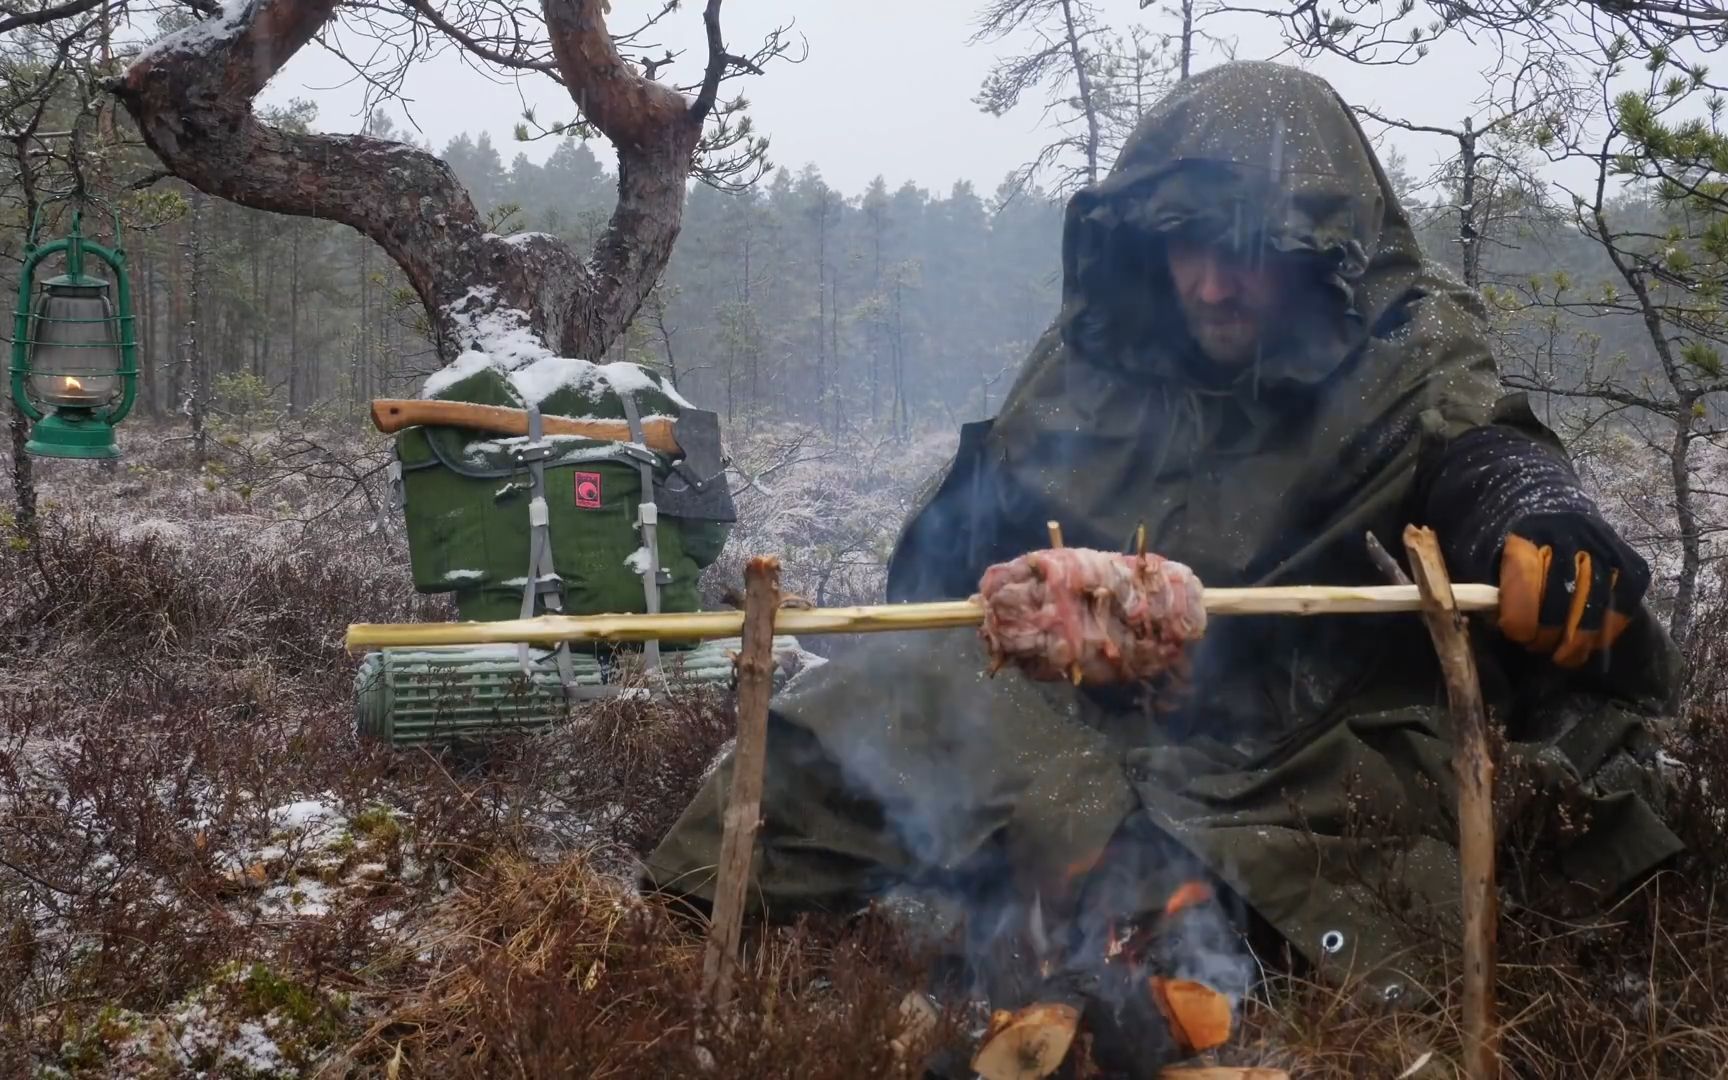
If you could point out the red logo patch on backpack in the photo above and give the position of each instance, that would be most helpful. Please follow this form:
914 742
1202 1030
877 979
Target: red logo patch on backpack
588 490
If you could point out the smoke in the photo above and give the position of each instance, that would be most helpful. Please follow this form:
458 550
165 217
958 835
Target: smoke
976 780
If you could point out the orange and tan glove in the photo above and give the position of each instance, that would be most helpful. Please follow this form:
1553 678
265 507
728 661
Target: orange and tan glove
1568 585
1510 509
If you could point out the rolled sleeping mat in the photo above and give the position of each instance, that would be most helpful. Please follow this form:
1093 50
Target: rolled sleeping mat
442 694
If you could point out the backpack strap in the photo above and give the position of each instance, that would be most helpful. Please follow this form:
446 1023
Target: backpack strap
543 585
647 523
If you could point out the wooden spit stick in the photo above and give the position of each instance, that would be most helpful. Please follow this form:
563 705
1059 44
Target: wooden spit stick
744 800
548 630
1473 764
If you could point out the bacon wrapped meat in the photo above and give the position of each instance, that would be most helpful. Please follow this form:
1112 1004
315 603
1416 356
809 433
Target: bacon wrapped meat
1076 613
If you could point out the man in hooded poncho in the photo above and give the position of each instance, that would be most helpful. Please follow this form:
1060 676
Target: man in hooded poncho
1254 361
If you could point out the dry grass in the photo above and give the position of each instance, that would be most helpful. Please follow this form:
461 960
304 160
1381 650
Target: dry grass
178 692
561 972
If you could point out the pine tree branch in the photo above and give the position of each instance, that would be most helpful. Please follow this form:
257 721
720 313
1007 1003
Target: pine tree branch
12 20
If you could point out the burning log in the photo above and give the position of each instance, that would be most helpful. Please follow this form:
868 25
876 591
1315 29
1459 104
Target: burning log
1034 1041
1028 1044
1199 1016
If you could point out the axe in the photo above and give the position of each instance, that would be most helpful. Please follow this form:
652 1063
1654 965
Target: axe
393 414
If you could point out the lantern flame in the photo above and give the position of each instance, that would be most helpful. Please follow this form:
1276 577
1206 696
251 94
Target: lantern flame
73 384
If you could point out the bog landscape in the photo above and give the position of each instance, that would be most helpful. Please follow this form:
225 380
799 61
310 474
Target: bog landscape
1039 538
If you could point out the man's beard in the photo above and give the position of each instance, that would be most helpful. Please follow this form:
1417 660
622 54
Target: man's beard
1229 337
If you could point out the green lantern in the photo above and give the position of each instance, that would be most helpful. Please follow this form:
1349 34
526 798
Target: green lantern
73 348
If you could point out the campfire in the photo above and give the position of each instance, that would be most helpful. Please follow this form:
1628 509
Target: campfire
1119 1009
1124 1008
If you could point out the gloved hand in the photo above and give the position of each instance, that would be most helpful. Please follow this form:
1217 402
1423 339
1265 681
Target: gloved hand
1568 585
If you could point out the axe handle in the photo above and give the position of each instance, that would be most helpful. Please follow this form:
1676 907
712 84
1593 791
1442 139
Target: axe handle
393 414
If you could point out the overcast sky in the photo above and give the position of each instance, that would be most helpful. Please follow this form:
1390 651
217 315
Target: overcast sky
887 88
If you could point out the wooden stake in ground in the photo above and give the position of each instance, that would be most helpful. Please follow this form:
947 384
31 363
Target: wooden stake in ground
744 800
1473 763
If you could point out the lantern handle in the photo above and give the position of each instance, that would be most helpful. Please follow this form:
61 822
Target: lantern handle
75 246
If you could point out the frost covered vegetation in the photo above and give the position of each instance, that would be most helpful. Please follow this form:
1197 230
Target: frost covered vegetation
200 867
202 872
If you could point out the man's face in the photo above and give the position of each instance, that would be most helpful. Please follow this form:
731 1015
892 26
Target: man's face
1230 299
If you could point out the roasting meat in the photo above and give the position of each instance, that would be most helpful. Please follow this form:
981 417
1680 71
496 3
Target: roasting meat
1076 613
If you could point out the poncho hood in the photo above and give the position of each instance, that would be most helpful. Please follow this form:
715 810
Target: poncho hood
1264 158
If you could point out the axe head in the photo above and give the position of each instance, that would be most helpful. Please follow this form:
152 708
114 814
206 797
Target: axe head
697 486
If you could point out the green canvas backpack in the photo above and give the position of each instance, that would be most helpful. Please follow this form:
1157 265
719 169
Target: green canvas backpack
467 496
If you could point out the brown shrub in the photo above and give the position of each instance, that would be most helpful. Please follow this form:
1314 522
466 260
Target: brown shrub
76 598
563 973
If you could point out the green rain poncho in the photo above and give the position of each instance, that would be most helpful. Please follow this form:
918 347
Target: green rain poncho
1308 764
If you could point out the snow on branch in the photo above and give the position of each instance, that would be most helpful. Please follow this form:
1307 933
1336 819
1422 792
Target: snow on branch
191 95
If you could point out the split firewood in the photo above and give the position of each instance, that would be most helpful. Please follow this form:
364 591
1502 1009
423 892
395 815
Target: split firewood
1199 1016
1028 1044
918 1020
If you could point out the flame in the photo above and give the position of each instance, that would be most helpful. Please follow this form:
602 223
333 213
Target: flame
1079 868
1187 895
1114 944
73 384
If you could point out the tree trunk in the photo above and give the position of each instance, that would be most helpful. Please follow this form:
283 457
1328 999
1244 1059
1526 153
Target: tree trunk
517 299
902 422
821 305
363 358
1083 81
23 471
255 257
313 389
1469 248
1686 516
1679 456
1187 37
198 373
296 403
748 316
145 331
834 351
267 317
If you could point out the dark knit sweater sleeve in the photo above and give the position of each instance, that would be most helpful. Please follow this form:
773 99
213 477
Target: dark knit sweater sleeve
1481 483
